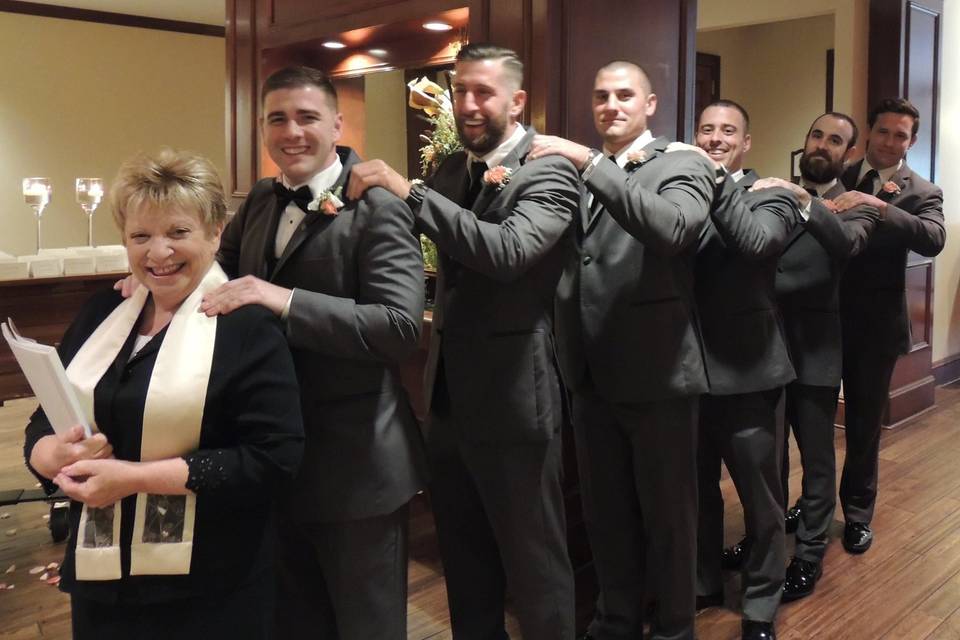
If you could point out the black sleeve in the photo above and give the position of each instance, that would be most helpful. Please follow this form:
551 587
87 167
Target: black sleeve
263 410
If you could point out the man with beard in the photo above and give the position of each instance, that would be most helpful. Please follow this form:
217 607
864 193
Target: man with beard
630 352
807 284
748 365
876 322
501 223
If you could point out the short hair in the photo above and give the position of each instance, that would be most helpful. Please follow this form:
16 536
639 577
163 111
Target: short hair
895 105
839 116
296 77
169 179
512 65
730 104
615 65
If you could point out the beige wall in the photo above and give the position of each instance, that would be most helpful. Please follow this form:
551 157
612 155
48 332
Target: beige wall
946 310
386 104
850 28
783 93
81 97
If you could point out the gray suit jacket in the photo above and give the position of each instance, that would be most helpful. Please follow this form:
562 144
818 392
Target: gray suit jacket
625 307
356 314
873 290
808 281
501 258
734 283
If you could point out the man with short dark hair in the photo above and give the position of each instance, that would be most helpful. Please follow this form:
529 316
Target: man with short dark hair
501 222
630 352
876 323
346 276
807 283
748 365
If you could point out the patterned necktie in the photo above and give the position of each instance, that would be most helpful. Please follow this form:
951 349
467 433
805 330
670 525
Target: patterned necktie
301 197
866 184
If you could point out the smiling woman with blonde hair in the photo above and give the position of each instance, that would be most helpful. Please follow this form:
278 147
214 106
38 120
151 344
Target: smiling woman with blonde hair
197 425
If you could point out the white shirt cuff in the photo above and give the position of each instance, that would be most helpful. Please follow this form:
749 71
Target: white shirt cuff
286 308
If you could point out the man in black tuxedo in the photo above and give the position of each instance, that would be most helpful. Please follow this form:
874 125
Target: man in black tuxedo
876 324
808 280
501 222
748 365
346 276
630 352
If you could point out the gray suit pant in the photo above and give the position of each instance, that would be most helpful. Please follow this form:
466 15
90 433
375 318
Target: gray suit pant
638 485
743 431
811 411
867 371
501 528
343 580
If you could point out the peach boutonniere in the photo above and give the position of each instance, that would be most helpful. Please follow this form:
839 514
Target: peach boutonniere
499 176
890 187
328 202
636 158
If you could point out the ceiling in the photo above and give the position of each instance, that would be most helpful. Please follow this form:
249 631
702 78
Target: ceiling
202 11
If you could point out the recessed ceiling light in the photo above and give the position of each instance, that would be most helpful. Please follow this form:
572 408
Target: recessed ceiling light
437 26
333 44
377 52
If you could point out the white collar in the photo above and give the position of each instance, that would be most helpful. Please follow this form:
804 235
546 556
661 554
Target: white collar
820 188
638 143
321 181
737 175
495 157
885 174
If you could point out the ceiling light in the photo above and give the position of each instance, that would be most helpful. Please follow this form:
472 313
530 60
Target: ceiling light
377 52
437 26
333 44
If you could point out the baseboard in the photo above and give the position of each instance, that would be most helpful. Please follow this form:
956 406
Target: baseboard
947 370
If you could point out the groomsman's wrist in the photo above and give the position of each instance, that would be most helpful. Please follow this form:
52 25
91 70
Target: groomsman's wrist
285 312
418 191
593 159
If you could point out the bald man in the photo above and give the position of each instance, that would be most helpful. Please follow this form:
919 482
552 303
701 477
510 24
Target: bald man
630 352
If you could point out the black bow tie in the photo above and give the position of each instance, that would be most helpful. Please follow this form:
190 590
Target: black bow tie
301 197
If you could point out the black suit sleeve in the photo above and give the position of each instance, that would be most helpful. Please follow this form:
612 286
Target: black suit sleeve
547 198
232 239
264 412
382 322
922 229
757 223
669 219
843 235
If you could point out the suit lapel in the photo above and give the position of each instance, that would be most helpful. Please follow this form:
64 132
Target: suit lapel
314 222
653 150
902 179
513 161
269 239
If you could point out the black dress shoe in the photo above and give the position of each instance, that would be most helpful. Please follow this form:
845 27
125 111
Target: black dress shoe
801 579
857 537
585 636
709 600
753 630
732 557
791 520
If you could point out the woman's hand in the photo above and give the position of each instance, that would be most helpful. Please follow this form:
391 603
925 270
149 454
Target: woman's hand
99 483
51 453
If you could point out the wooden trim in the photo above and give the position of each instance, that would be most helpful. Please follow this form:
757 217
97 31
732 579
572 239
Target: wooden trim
947 370
686 71
107 17
830 72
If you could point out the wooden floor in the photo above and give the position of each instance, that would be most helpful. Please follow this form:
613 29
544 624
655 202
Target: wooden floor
906 587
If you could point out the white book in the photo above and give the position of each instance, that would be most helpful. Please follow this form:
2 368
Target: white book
42 367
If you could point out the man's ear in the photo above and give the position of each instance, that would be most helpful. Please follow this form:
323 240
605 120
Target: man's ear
337 127
517 104
849 154
913 141
747 141
651 106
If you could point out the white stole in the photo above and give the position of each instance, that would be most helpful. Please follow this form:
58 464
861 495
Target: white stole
172 416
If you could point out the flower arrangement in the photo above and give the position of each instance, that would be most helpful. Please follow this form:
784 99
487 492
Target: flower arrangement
440 142
429 97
